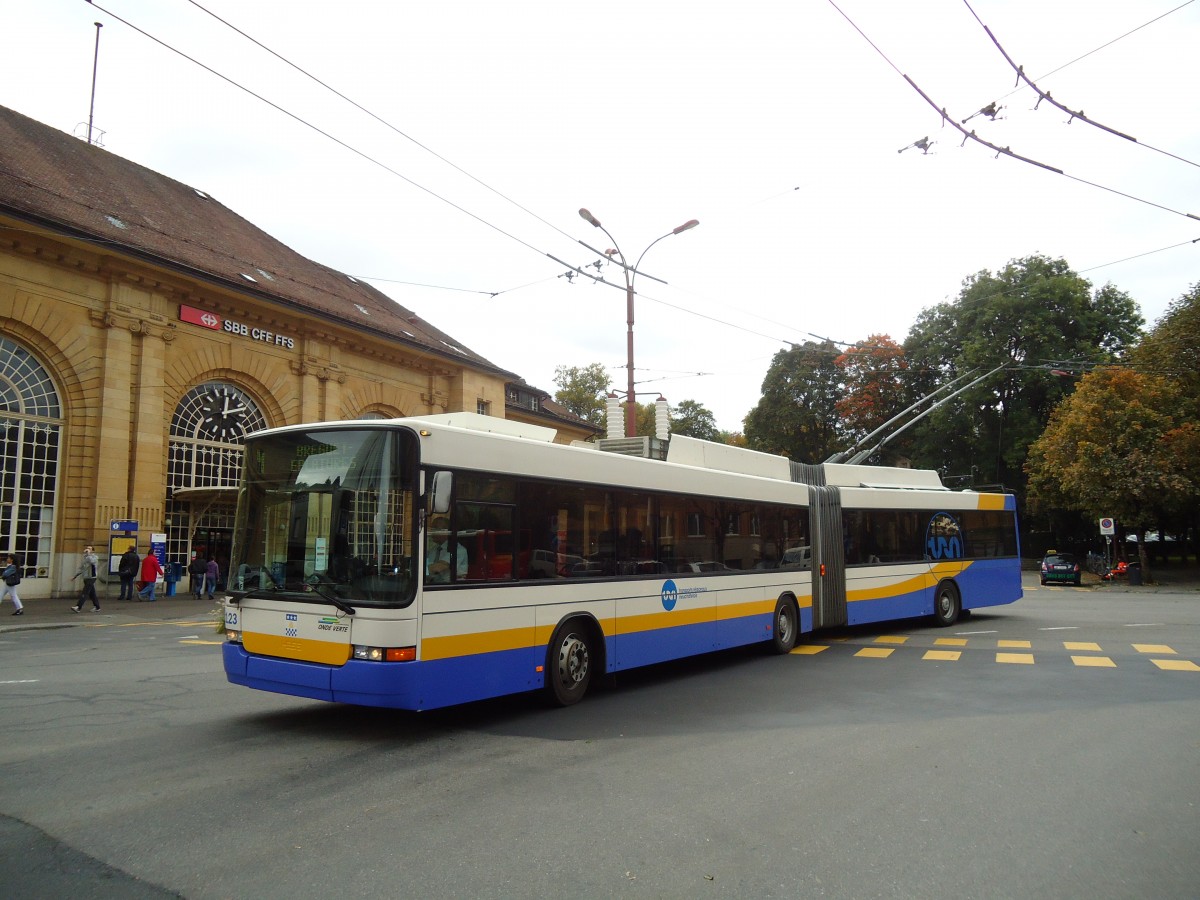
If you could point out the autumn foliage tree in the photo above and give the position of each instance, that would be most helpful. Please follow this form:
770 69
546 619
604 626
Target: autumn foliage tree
873 375
1120 446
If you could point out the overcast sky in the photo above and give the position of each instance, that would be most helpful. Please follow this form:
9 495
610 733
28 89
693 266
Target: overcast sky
776 124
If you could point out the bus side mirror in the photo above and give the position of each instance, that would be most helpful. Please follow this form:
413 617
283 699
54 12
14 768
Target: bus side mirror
439 501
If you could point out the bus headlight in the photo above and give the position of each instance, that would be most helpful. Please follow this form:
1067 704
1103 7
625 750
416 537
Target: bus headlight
233 637
385 654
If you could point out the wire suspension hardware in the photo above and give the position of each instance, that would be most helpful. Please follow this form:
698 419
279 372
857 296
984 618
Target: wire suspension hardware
1045 95
1006 151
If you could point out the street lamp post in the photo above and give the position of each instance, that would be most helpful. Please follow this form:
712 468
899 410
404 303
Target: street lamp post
630 272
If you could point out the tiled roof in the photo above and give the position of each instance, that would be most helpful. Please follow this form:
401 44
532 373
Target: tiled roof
54 179
518 393
561 412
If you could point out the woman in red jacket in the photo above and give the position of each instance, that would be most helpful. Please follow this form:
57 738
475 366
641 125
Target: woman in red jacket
151 569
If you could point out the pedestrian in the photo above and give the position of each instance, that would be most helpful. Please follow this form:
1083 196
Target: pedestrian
196 570
127 569
437 556
12 577
211 573
151 569
88 568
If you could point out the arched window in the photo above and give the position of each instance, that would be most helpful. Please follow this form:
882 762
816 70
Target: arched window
30 428
205 464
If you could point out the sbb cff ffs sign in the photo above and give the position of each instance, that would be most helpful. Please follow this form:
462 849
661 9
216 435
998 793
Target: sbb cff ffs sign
206 319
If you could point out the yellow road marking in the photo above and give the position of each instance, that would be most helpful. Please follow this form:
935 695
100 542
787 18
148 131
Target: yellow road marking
1013 645
1154 648
891 639
1080 645
211 643
809 649
950 642
876 652
1176 665
1100 662
949 655
1024 659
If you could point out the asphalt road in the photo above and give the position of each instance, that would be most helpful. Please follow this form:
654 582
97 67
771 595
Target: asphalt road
1046 749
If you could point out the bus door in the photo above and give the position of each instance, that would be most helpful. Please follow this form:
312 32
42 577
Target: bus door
828 558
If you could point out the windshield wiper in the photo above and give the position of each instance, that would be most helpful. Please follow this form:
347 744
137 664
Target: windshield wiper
316 584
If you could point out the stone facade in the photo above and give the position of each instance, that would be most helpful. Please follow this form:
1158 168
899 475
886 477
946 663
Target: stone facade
145 328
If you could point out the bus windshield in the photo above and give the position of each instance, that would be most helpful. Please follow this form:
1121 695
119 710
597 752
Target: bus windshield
328 512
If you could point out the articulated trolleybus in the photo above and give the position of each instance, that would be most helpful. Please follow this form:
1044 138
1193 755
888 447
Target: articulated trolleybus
421 562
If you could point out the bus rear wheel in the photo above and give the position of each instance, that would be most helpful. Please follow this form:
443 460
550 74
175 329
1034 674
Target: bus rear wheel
947 604
786 627
568 664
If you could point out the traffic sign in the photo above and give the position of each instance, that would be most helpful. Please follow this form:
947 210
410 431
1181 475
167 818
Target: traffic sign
1107 526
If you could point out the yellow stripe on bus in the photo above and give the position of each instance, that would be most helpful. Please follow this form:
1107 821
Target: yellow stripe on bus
909 585
480 642
327 652
449 646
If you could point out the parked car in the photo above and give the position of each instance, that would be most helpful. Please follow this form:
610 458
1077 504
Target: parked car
552 564
1061 567
797 558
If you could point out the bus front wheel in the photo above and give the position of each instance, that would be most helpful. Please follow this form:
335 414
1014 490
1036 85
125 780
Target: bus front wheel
947 604
786 626
569 664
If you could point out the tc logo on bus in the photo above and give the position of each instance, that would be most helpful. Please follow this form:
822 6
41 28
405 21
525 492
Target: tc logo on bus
670 595
943 538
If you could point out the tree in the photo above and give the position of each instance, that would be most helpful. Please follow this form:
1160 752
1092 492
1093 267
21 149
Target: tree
1172 349
797 415
875 390
1119 447
1030 317
692 419
582 390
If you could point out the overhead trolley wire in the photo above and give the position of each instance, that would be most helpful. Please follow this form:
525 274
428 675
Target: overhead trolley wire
302 121
377 118
1074 114
1005 151
1114 40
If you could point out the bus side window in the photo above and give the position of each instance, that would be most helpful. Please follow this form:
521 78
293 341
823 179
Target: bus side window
486 531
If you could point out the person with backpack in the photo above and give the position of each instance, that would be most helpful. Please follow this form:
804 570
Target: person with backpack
88 569
197 570
127 568
12 577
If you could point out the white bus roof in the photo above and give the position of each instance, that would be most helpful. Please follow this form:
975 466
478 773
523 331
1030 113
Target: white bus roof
682 451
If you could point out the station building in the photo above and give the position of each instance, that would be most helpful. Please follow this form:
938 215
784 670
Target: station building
146 328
